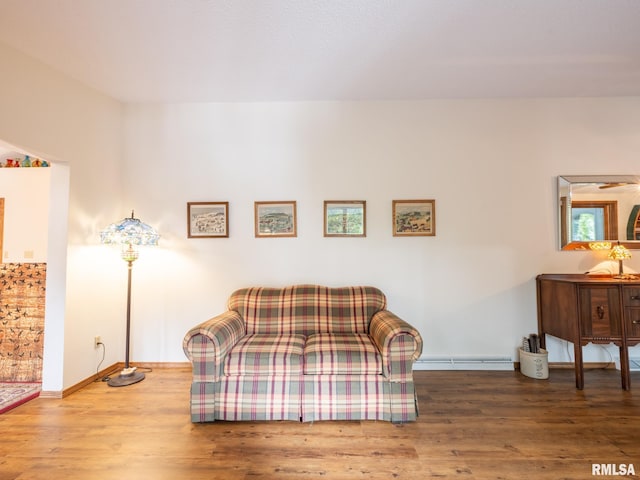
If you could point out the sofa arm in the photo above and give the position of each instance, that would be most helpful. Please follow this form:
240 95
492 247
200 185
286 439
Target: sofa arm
207 344
399 343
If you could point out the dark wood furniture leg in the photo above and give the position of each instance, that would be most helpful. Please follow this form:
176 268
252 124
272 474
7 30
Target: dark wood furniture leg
579 365
624 368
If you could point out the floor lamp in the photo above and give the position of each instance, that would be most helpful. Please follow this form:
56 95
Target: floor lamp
129 234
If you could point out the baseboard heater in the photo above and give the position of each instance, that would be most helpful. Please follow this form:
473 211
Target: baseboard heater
464 363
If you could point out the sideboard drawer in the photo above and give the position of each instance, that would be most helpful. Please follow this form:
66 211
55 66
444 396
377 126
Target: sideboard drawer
631 296
633 322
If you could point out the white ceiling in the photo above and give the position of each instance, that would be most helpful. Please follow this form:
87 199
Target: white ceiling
279 50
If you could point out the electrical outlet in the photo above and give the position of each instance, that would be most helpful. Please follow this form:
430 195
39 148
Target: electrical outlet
96 341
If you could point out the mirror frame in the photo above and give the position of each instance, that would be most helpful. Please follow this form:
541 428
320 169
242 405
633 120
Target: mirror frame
564 184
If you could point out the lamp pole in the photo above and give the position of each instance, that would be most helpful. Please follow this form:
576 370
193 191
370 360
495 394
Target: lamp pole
126 354
129 375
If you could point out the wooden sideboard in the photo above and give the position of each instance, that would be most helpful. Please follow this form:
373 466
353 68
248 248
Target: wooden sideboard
586 309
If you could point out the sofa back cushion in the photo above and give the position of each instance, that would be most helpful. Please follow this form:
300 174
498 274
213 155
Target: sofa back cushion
307 309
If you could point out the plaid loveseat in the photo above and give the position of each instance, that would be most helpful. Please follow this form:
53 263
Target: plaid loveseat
304 352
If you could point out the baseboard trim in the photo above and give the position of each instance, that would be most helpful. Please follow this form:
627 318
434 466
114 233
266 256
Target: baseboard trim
50 394
106 372
477 364
586 366
74 388
152 365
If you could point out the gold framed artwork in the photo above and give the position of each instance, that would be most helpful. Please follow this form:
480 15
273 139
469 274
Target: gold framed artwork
275 219
345 218
414 218
207 219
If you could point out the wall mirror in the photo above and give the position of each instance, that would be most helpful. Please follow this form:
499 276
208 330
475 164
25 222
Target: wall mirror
594 208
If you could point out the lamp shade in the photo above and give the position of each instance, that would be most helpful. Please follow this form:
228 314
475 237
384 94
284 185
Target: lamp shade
129 231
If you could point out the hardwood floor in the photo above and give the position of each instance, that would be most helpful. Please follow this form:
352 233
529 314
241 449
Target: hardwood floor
473 425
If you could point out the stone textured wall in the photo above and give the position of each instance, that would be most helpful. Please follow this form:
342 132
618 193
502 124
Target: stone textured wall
22 299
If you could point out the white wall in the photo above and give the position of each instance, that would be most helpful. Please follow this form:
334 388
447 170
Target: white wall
80 130
491 165
26 214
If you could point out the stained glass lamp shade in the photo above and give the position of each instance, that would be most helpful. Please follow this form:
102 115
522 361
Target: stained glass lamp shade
129 233
619 253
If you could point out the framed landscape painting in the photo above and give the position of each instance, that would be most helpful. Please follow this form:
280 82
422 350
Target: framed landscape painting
275 219
345 218
414 218
207 219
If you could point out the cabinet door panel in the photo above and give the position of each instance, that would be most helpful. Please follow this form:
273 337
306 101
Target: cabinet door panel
600 313
558 309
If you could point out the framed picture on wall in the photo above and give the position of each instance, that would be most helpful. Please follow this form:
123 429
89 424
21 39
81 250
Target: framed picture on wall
414 218
345 218
275 219
207 219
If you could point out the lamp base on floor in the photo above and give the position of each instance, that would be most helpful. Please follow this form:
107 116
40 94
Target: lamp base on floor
128 376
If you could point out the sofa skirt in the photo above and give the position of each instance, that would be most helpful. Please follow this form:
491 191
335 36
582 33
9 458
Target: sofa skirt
306 398
345 397
258 397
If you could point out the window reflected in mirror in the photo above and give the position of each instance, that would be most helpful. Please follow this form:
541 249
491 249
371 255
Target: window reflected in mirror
593 221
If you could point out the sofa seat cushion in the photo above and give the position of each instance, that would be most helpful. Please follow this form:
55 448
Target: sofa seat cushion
263 354
341 353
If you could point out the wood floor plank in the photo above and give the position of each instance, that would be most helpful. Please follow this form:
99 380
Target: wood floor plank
472 425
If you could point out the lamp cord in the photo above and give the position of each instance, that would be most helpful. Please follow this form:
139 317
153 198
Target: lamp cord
104 351
106 377
602 347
